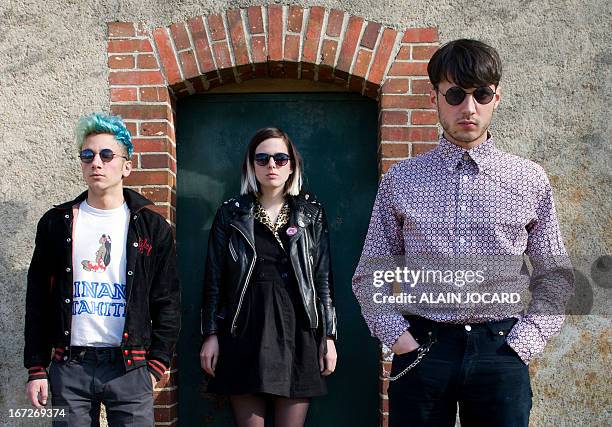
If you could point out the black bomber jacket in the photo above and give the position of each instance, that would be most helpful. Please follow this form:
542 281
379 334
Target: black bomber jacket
152 291
231 256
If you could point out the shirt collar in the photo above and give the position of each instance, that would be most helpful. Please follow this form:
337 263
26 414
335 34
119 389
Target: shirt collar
452 154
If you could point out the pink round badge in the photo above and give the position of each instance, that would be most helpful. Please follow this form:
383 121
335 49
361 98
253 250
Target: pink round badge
291 231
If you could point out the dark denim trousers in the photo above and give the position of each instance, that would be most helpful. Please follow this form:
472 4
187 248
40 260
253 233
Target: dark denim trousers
87 378
470 366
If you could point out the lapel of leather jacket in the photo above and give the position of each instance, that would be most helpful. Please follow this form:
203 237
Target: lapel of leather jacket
243 218
297 218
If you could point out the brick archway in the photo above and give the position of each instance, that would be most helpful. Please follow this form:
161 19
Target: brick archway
151 69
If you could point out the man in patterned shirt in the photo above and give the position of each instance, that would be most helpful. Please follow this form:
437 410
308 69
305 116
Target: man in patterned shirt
443 274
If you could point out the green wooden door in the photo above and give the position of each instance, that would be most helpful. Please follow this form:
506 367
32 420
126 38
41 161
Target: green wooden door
336 134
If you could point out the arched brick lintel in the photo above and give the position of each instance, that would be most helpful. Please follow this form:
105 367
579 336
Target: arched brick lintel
150 69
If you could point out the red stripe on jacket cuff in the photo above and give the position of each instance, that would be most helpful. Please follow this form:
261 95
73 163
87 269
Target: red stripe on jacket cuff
157 366
158 363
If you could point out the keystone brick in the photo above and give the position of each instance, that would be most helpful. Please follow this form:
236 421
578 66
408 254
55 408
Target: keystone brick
294 20
275 32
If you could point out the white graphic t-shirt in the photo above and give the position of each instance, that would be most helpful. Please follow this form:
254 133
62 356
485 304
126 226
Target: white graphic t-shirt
98 291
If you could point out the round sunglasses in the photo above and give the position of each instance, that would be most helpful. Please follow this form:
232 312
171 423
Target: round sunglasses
106 155
455 95
280 159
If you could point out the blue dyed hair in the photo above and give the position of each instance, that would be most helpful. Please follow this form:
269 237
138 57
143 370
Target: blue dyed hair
97 123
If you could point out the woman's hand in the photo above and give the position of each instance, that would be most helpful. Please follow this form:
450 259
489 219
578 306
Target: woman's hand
209 354
327 359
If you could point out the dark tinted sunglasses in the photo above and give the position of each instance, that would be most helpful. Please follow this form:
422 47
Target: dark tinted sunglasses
107 155
455 95
280 159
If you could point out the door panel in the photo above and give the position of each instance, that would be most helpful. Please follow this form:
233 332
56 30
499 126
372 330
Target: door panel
336 135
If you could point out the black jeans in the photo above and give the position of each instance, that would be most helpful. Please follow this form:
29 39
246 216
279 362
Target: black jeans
89 377
470 365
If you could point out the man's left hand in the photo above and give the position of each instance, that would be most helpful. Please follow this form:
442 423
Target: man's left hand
153 380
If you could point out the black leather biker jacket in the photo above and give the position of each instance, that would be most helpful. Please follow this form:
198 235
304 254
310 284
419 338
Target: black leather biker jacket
231 259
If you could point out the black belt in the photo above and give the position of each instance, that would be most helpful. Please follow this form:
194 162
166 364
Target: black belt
80 352
496 327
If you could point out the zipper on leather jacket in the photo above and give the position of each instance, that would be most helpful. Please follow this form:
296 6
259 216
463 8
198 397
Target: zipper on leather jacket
246 283
309 262
233 251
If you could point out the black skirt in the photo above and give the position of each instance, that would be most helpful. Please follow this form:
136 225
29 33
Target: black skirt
274 351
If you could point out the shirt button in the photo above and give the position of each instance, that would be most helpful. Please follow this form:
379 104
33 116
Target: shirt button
68 239
463 207
468 328
135 244
67 269
465 178
65 357
130 273
66 332
501 332
67 300
66 216
465 156
135 216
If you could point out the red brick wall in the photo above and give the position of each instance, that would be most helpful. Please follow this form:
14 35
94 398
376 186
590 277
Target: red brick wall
149 70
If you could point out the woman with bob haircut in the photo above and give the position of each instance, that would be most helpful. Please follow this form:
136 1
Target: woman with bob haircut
268 321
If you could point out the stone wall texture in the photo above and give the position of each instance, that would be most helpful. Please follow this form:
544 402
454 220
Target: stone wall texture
556 92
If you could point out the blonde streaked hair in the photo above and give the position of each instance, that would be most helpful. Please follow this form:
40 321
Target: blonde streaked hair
248 181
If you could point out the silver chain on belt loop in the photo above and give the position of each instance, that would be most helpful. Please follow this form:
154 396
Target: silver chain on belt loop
422 352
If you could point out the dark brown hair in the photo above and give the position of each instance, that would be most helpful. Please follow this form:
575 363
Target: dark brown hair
248 182
467 63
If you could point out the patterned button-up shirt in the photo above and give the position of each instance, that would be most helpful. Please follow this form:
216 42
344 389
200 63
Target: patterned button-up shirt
477 205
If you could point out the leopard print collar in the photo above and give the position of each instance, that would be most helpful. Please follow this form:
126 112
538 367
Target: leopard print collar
261 215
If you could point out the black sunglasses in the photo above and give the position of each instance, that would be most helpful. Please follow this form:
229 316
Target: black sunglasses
280 159
455 95
107 155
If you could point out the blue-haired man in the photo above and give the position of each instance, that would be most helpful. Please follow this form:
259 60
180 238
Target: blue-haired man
102 304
